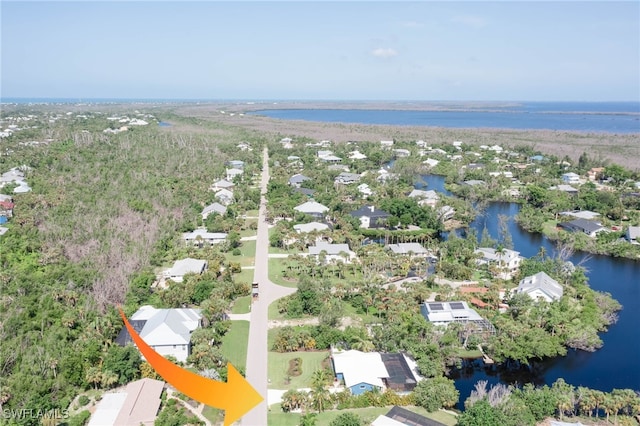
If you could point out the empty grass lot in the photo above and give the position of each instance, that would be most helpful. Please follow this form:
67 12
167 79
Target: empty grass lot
277 418
276 266
247 254
234 344
279 365
241 305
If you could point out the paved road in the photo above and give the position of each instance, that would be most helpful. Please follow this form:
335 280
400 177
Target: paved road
257 351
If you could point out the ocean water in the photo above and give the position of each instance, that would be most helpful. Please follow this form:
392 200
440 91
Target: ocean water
598 117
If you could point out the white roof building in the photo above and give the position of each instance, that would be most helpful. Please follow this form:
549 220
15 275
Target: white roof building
408 248
540 286
357 368
137 405
186 266
304 228
312 208
200 236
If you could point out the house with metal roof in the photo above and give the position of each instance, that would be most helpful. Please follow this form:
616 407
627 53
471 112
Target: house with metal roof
221 184
425 198
186 266
304 228
570 178
233 173
199 237
224 196
312 208
346 178
137 405
414 249
360 371
216 208
167 331
585 226
540 286
332 252
633 234
297 180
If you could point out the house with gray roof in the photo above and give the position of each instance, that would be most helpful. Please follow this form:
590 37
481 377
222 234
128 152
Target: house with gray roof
312 208
167 331
221 184
474 182
425 198
186 266
224 196
540 286
633 234
297 180
585 226
215 208
346 178
236 164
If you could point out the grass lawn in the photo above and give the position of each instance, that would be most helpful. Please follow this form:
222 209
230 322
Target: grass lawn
549 228
247 254
278 366
277 418
241 305
248 232
273 312
350 311
276 266
234 344
251 213
245 276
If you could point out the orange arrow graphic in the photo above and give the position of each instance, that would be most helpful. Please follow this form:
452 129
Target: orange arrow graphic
236 397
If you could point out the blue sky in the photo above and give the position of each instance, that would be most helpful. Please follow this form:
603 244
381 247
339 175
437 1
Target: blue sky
537 51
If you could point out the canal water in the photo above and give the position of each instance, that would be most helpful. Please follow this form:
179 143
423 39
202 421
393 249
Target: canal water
614 366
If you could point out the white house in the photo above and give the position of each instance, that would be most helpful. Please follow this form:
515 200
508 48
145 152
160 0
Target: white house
167 331
431 162
224 196
540 286
445 313
200 236
312 208
415 249
233 173
304 228
386 143
570 178
425 198
357 155
507 261
186 266
333 252
360 371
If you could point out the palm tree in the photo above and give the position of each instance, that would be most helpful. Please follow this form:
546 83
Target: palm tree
320 398
94 376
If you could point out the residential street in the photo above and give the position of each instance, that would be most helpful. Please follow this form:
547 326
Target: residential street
257 350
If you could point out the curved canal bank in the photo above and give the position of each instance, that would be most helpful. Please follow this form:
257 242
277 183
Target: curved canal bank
615 365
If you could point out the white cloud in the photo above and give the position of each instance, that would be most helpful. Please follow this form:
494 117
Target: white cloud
384 52
470 21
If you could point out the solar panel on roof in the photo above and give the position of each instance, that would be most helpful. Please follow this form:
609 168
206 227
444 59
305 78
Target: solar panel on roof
456 305
436 306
